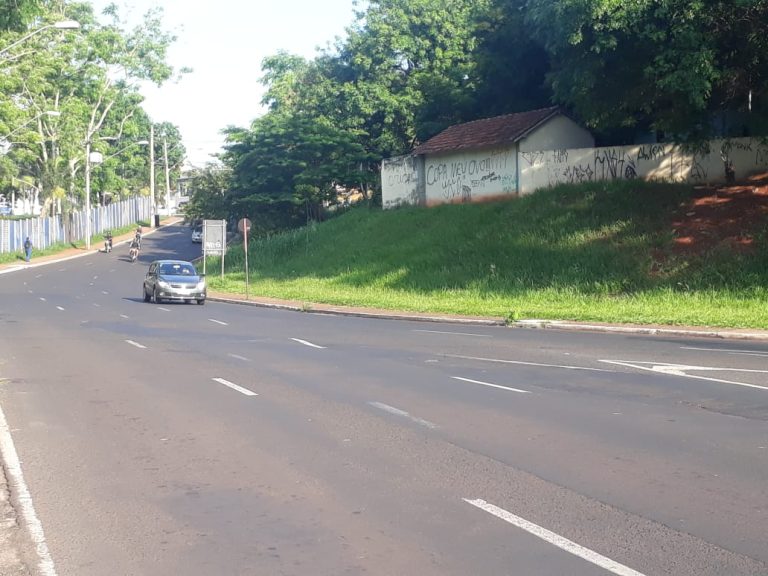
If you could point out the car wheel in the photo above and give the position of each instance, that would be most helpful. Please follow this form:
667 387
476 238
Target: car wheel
155 297
201 302
146 294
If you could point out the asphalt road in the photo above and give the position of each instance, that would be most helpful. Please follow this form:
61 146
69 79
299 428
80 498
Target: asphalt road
226 439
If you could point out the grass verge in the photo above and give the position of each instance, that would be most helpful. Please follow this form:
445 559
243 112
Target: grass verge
593 252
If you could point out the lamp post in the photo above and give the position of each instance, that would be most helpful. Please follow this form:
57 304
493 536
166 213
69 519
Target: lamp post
62 25
96 158
151 175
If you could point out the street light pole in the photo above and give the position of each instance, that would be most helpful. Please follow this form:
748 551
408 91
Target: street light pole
88 194
167 178
151 175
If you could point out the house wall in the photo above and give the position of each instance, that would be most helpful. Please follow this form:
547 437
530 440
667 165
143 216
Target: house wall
470 175
402 181
667 162
557 133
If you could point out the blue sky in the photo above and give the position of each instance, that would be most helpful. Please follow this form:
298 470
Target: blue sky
224 43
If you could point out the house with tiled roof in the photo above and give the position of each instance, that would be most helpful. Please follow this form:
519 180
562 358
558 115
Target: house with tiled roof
479 160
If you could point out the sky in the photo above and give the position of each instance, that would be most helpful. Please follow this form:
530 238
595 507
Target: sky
224 43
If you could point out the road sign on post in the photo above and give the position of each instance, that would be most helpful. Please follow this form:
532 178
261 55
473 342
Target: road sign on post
214 240
244 226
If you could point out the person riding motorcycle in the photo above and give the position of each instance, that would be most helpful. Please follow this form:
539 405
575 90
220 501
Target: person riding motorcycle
108 241
134 250
137 237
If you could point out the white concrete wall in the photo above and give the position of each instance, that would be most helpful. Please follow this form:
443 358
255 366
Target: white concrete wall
471 175
400 181
557 133
670 162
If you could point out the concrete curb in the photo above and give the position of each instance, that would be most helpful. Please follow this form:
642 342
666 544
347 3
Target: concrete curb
332 310
529 324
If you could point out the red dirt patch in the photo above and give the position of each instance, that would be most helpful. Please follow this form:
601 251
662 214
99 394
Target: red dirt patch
726 215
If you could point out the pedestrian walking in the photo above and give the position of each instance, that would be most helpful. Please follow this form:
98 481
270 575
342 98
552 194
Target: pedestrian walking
28 249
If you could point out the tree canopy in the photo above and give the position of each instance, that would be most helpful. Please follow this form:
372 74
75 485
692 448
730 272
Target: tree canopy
63 92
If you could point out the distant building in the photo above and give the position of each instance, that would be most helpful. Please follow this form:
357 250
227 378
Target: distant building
477 161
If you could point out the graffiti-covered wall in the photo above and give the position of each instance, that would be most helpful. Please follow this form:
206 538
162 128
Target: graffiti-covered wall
402 181
471 175
670 162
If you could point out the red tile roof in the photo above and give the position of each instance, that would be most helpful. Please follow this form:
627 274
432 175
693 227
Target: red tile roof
487 132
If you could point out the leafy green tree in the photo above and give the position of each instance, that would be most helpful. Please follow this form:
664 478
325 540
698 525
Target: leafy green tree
208 192
15 14
285 169
669 65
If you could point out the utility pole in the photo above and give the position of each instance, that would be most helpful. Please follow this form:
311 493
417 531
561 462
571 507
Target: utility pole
167 177
151 175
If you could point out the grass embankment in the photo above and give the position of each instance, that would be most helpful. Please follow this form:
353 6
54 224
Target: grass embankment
97 241
598 252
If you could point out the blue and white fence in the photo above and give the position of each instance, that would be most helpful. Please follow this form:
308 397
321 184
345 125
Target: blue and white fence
44 232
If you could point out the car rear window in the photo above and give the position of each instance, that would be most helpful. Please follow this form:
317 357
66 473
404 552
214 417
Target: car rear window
178 270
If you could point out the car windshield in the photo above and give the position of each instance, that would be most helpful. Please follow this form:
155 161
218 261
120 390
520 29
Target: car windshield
177 269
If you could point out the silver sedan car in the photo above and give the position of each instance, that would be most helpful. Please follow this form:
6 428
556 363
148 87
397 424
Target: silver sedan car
174 280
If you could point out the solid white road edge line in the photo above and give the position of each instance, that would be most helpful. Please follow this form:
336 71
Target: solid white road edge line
555 539
455 333
132 343
491 385
403 413
727 351
218 322
308 343
234 386
16 479
521 363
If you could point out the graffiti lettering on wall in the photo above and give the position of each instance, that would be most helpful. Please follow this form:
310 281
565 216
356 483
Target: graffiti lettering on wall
465 177
614 163
542 157
651 152
400 172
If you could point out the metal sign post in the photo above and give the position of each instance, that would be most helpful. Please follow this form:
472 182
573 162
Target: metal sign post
244 225
214 240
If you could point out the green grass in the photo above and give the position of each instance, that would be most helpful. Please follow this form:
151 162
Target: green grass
97 241
594 252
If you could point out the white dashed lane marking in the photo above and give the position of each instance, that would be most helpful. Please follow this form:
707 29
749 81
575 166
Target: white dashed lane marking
217 322
59 308
163 309
237 357
403 414
305 343
555 539
136 344
491 385
234 386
